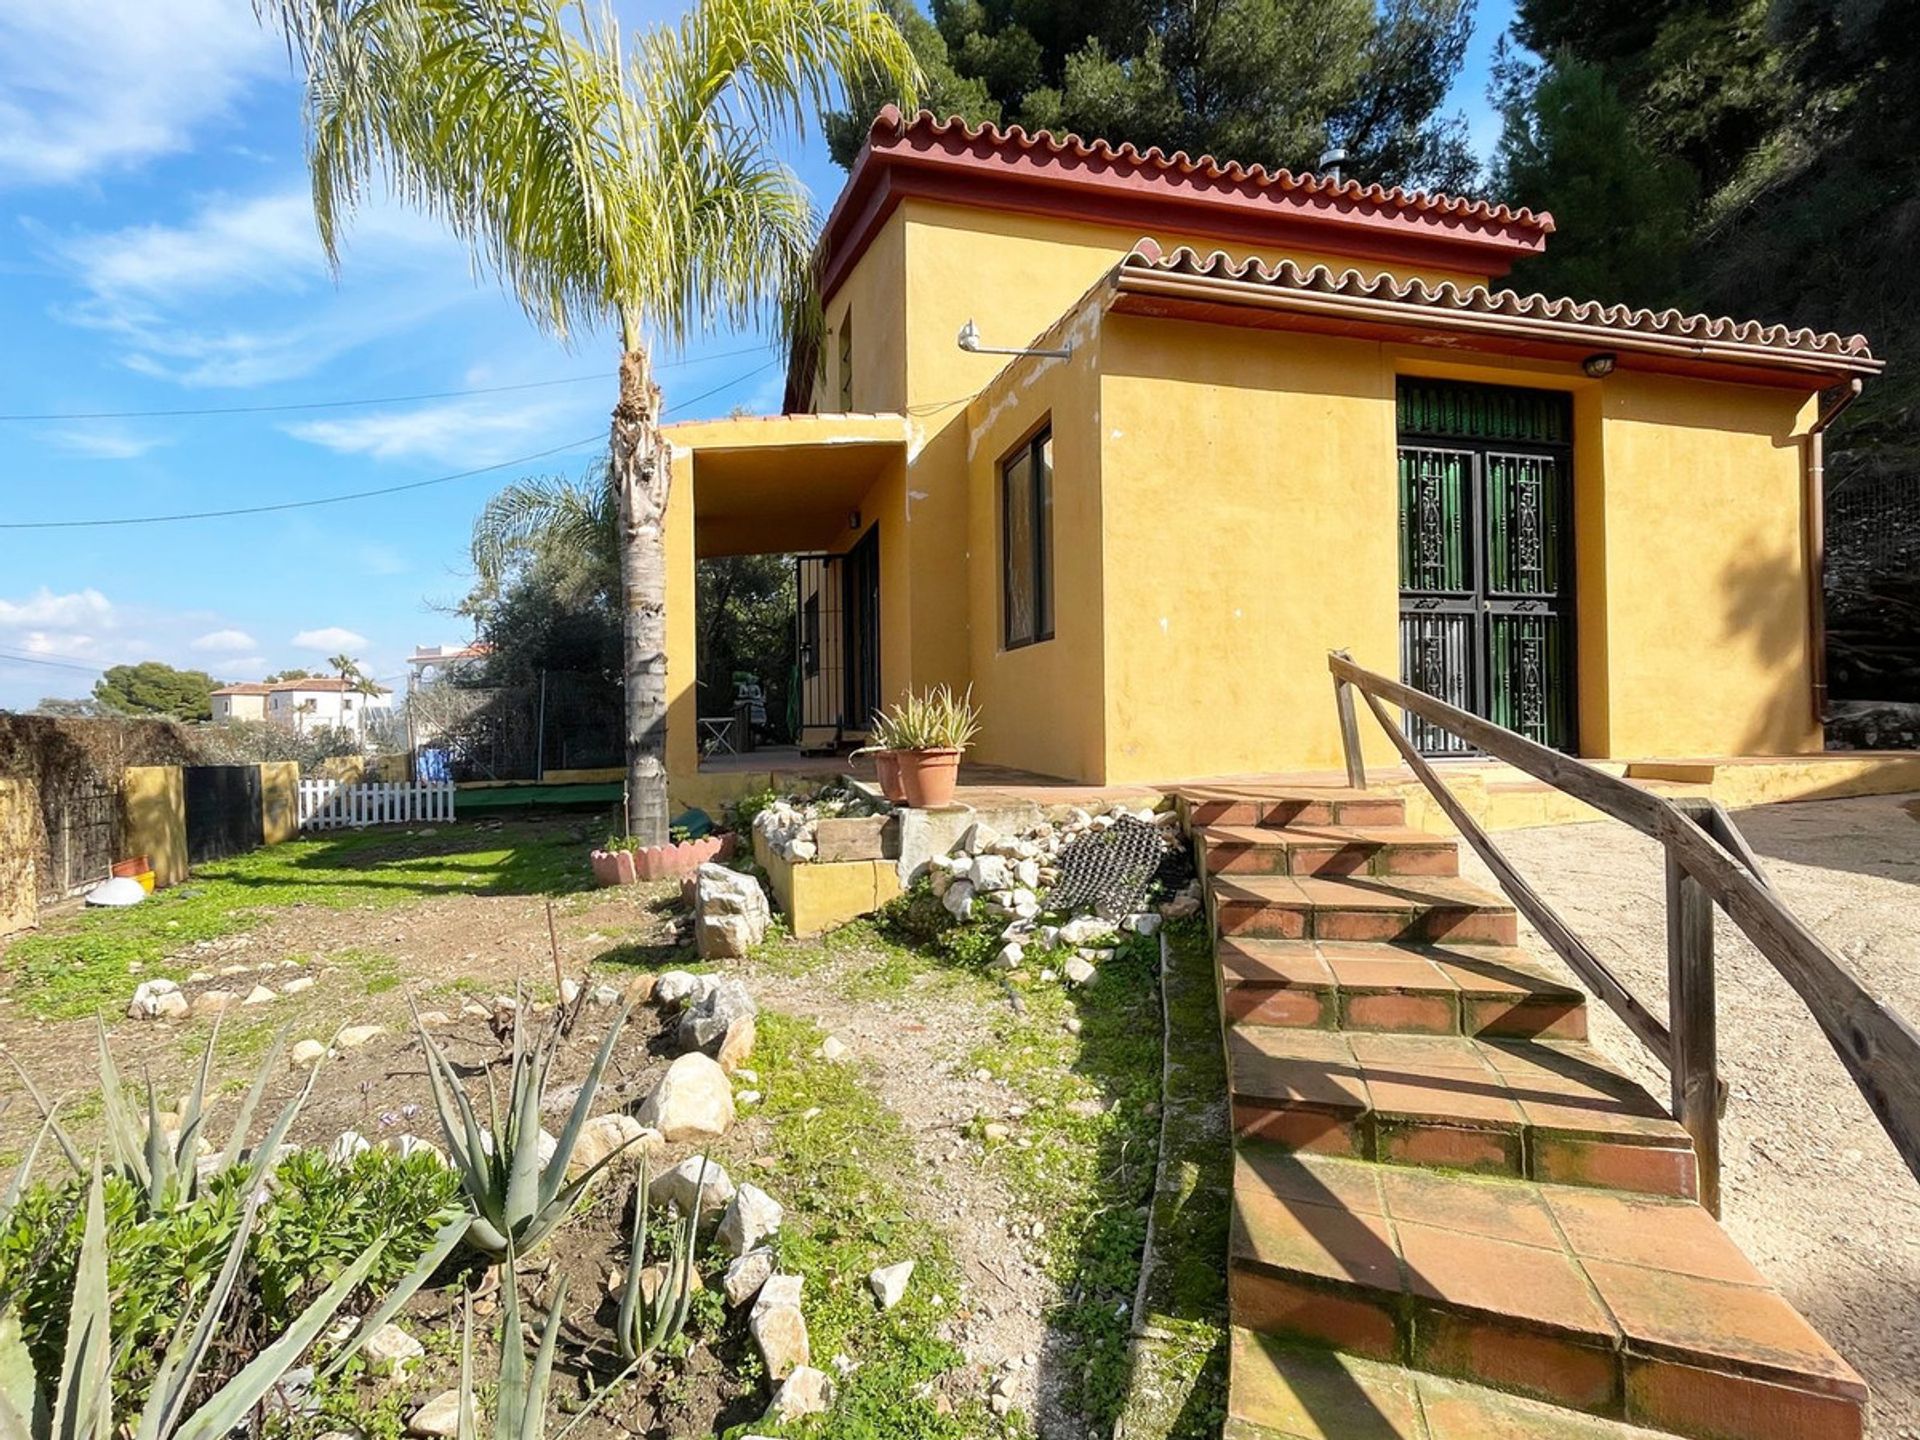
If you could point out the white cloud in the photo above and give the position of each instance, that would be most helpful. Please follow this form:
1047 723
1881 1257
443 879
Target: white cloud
105 443
111 83
162 287
43 607
456 432
225 641
330 637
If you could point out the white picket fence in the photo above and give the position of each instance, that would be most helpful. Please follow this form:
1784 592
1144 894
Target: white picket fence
335 805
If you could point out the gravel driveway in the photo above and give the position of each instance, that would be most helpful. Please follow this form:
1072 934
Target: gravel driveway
1813 1189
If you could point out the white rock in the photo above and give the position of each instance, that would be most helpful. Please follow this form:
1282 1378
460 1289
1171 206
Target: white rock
780 1290
1145 923
605 1135
569 990
438 1418
802 850
676 1186
391 1350
1027 874
354 1036
212 1002
781 1333
260 995
199 977
1009 958
1084 931
959 899
730 912
605 995
346 1145
307 1052
804 1392
746 1274
979 836
147 996
960 868
990 873
1080 971
297 984
889 1283
693 1101
406 1145
672 987
752 1216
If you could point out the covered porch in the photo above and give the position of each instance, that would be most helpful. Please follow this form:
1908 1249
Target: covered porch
827 494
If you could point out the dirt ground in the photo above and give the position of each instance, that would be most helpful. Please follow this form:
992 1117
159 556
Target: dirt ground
1813 1189
910 1039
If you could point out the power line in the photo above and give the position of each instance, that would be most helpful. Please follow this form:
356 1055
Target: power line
294 504
358 494
9 657
368 400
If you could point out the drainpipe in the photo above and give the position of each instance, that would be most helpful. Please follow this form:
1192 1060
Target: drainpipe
1816 527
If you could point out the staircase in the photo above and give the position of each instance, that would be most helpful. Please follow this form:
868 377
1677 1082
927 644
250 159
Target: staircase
1452 1218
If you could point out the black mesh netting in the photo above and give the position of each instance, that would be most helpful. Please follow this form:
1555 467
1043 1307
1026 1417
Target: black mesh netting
1115 871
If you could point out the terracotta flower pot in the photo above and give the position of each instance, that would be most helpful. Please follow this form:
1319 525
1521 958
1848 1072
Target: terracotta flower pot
886 769
927 777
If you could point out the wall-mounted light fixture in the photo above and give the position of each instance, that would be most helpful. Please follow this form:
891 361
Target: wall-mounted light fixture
1599 366
853 519
969 341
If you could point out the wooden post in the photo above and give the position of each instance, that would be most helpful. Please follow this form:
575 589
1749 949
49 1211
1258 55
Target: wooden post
1349 729
1691 1013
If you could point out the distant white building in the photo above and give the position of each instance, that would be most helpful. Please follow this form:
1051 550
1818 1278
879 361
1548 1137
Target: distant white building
434 662
316 702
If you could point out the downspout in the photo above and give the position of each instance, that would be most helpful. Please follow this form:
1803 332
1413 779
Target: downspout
1816 537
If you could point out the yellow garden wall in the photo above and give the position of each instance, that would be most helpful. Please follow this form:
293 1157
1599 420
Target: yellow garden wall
279 801
154 810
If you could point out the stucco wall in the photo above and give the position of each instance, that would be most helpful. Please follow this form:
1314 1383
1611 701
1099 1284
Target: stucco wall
154 803
1040 704
279 801
1249 526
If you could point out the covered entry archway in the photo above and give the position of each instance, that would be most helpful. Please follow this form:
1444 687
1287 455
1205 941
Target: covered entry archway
1486 557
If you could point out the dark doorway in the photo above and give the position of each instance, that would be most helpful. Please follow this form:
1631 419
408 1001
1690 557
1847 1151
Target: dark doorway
860 605
1486 557
223 811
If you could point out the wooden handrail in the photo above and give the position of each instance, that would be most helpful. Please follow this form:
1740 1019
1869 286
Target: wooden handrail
1879 1048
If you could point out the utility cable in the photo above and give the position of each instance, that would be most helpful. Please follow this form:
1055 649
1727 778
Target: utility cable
369 400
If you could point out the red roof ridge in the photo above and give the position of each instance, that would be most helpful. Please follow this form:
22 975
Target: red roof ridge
892 124
1512 304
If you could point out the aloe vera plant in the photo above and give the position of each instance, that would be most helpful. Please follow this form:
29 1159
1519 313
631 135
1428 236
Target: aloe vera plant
166 1168
516 1199
81 1407
645 1325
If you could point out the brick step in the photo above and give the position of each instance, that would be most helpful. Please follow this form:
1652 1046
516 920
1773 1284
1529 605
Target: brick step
1544 1109
1626 1307
1276 807
1493 990
1419 909
1326 850
1277 1390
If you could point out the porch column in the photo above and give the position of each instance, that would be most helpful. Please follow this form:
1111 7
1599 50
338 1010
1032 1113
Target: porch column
683 704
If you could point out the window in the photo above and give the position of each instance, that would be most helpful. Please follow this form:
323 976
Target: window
1026 541
846 362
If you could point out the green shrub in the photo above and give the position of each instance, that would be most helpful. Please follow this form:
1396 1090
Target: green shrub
321 1218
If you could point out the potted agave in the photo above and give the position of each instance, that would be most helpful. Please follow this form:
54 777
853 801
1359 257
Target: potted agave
926 735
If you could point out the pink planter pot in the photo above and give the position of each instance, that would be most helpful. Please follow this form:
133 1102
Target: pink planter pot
659 862
886 770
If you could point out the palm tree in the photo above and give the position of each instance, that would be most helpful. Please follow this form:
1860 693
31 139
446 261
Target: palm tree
602 182
580 518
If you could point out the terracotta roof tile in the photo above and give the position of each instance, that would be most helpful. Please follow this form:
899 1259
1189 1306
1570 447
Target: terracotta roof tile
891 124
1852 351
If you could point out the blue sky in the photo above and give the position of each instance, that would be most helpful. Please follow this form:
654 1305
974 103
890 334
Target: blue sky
157 253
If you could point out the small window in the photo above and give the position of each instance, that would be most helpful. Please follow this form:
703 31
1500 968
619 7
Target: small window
1026 541
846 363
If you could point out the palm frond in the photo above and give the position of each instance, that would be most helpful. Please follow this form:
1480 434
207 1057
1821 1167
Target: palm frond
579 516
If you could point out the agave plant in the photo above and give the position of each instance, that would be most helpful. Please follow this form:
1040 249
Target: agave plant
516 1198
520 1404
81 1407
165 1166
645 1325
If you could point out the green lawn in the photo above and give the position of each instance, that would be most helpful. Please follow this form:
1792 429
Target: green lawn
78 963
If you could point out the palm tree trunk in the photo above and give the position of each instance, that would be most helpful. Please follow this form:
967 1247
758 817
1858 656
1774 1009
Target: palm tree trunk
641 477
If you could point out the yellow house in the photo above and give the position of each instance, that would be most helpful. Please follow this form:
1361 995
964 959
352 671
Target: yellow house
1127 443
